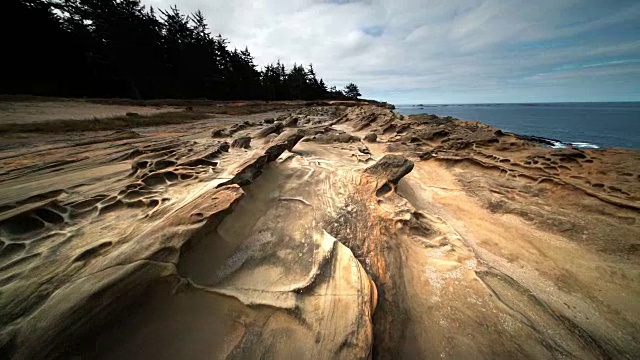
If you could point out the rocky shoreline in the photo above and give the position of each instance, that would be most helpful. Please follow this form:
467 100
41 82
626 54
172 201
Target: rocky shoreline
323 231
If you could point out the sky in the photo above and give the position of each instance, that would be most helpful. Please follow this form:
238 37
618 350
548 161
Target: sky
444 52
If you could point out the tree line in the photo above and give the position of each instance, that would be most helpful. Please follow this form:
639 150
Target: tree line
120 48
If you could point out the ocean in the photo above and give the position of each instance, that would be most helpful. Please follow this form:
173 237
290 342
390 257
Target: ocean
582 125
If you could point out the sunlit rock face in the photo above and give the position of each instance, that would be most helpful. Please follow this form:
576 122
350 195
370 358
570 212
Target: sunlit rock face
284 235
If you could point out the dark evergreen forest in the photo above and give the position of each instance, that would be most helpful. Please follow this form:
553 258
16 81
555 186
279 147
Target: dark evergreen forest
120 48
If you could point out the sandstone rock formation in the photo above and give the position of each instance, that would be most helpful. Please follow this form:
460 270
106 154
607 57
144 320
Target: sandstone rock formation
243 142
442 238
370 137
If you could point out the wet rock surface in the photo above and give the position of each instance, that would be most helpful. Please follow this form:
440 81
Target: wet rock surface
281 235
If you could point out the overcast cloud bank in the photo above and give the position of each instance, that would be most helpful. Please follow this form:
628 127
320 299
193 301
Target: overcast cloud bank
410 51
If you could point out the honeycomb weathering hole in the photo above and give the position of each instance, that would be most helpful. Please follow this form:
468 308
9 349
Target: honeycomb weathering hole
170 176
155 179
93 251
163 164
384 189
49 216
10 250
22 224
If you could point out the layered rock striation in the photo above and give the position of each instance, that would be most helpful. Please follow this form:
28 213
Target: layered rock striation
285 235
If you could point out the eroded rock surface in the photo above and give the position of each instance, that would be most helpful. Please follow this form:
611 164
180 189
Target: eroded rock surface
282 235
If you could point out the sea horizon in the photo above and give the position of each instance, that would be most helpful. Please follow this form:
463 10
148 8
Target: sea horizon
517 103
590 125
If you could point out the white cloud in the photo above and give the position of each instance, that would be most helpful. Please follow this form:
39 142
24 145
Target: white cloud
436 50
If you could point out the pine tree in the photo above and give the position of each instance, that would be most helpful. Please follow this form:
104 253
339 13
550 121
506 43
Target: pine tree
118 48
351 91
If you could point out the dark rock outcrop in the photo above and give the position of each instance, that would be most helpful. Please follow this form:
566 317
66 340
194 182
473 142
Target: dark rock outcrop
219 133
390 169
291 122
276 127
243 142
370 137
334 136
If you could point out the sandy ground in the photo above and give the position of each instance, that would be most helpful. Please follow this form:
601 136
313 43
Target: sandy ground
32 111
